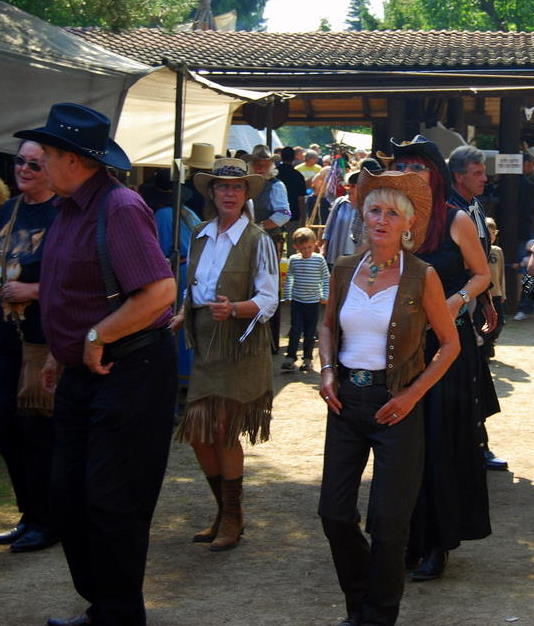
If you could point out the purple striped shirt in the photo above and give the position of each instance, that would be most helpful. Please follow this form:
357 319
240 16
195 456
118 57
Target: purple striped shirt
72 293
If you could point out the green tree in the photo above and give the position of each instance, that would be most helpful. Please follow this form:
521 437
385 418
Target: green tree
249 12
115 15
503 15
324 25
359 16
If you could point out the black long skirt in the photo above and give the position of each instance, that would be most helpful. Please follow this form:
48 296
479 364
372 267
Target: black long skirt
453 502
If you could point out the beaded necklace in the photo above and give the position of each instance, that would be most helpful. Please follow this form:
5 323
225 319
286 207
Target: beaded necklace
374 268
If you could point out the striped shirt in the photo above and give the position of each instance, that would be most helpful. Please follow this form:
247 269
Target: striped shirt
307 279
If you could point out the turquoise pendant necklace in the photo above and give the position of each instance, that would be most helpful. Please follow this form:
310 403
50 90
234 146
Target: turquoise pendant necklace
374 268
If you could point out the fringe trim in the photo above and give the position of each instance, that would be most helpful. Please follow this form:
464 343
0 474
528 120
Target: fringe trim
250 419
32 399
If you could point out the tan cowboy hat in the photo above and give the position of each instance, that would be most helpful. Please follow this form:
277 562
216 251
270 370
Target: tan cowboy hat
229 169
412 185
384 159
261 153
202 156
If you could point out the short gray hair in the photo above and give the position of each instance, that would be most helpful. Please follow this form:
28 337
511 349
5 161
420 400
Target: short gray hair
462 156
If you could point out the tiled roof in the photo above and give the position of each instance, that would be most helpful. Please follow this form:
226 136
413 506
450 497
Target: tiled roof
371 50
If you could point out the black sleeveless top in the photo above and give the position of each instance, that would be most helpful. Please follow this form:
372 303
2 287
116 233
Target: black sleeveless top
448 261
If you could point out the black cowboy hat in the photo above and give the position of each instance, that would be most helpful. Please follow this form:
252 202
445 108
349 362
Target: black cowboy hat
79 129
423 147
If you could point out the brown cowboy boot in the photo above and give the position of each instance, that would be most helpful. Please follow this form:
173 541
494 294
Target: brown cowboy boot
231 526
208 534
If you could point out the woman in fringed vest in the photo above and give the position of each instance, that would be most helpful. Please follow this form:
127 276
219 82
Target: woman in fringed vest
232 291
373 377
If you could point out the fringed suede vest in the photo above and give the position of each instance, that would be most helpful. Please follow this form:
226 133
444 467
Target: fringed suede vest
236 282
407 326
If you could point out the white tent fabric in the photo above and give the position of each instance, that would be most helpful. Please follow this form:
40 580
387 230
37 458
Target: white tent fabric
244 137
355 140
43 64
146 127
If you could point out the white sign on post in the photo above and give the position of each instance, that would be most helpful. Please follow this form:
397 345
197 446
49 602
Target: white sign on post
508 164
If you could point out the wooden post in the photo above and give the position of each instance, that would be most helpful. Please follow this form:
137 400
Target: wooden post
397 118
508 210
179 108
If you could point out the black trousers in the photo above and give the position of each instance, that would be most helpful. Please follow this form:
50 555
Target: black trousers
370 576
26 442
304 317
112 442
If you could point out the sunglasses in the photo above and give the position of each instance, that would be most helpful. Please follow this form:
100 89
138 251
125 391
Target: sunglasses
409 167
230 186
33 165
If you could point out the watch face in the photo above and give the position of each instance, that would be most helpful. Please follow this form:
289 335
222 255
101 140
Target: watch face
92 335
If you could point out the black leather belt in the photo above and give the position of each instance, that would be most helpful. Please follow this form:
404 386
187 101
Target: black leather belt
363 378
122 347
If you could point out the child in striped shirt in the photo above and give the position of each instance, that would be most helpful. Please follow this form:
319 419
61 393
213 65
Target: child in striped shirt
306 286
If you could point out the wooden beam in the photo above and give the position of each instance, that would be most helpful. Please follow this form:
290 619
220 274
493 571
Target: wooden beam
507 211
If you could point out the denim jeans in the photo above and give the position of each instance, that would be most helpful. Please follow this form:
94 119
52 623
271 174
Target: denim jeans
304 317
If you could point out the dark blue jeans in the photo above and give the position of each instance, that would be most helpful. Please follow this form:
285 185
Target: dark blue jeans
371 576
112 441
304 317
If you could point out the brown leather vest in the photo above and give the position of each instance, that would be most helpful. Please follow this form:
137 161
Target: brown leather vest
407 326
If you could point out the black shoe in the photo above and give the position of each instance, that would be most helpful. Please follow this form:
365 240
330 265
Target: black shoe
13 534
77 620
32 540
432 567
494 463
349 621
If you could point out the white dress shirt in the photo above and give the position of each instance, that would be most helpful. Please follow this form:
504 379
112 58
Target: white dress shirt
213 260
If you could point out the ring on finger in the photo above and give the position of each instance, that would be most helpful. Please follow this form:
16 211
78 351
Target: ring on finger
327 398
394 416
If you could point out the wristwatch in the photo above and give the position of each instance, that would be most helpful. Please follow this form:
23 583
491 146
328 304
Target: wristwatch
92 337
465 296
233 312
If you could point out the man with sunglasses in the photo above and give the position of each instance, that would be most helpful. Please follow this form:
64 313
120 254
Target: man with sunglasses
26 433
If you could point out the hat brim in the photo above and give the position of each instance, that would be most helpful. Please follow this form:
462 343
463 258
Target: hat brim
255 183
249 158
428 150
412 185
114 155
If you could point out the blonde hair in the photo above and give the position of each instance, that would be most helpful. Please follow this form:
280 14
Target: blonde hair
4 192
303 235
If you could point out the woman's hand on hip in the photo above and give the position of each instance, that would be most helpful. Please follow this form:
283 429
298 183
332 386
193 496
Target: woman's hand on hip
221 310
396 409
328 391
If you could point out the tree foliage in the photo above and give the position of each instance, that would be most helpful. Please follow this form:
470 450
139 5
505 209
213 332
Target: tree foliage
324 25
120 14
503 15
249 12
359 16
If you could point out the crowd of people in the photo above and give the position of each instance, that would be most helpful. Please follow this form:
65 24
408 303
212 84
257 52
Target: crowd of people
397 248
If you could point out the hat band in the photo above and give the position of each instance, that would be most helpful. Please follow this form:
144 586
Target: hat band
230 170
77 130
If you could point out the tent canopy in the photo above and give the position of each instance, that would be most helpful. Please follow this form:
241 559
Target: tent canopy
43 64
146 127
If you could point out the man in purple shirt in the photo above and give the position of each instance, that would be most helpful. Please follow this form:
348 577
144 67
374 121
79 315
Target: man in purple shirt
115 399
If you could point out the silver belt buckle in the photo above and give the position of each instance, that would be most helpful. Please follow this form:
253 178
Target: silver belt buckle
361 378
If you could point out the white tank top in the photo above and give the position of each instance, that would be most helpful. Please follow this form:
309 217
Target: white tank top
364 324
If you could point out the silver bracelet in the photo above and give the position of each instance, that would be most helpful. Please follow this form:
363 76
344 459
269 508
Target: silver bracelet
328 366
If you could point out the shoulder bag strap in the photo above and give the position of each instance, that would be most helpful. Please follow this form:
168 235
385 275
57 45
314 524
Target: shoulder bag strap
114 295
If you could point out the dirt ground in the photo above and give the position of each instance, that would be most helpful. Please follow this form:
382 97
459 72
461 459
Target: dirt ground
281 573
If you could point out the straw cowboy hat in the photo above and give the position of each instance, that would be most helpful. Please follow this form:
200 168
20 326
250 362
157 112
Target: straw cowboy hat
261 153
422 147
82 130
412 185
229 169
202 156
